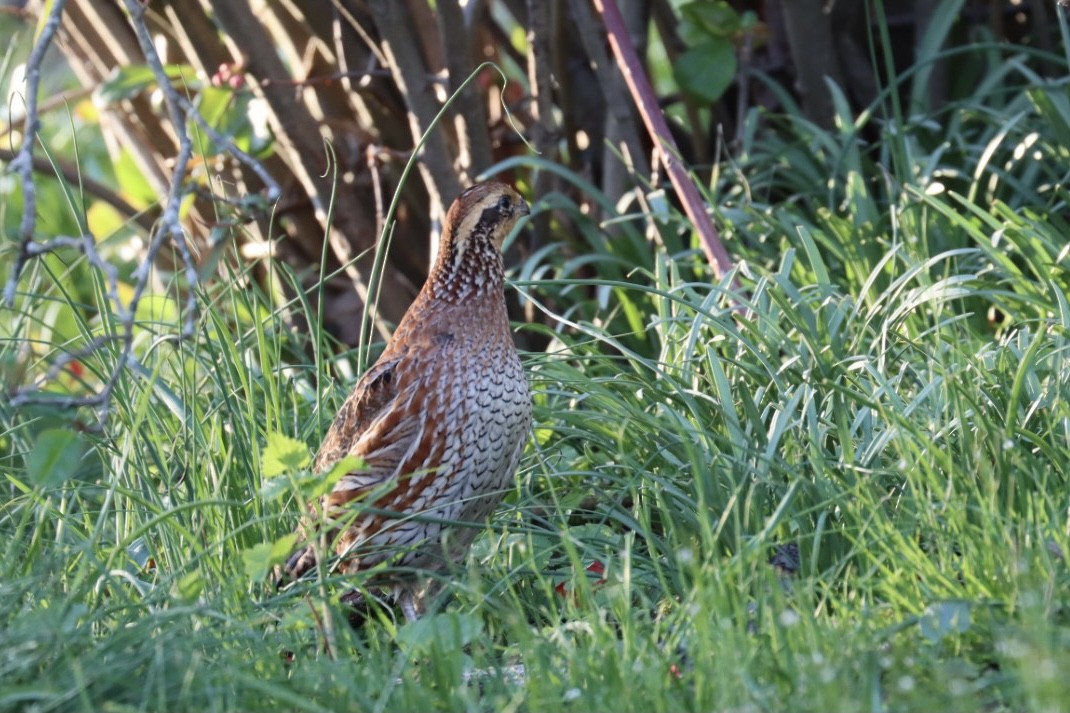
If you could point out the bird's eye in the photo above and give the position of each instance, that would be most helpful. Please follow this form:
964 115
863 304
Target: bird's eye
504 204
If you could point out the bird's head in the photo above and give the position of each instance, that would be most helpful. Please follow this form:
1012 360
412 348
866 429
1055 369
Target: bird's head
476 227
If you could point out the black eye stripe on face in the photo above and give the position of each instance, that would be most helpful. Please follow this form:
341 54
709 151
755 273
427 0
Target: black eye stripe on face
490 215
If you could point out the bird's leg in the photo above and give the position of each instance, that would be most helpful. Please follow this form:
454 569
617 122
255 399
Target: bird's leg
407 600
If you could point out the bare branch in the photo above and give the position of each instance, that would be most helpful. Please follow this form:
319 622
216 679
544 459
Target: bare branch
474 155
274 190
411 77
23 163
372 45
300 144
30 394
620 126
169 221
35 249
169 228
544 131
540 76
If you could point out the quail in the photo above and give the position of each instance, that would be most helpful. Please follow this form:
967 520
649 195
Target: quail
440 420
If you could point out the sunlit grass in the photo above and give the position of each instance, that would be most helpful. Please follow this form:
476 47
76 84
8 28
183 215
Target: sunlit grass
882 384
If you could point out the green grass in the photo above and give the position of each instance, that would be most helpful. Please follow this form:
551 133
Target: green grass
887 389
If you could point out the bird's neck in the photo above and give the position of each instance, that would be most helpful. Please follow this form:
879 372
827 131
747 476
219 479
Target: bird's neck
476 273
445 304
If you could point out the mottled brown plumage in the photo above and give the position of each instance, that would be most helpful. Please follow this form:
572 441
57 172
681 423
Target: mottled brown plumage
440 420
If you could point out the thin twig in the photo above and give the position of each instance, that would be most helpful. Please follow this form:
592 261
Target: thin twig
368 40
274 190
169 221
23 163
664 144
322 78
372 156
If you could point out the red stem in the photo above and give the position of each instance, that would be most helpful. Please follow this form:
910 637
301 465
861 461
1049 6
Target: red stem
645 101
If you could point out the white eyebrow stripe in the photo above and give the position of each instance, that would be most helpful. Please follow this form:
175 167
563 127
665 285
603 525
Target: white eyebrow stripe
463 232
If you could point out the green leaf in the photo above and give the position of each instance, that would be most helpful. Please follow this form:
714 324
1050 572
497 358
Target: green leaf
310 485
322 484
55 457
1053 106
706 70
132 182
943 619
282 548
283 454
129 81
938 27
125 83
158 310
274 488
703 19
190 586
259 559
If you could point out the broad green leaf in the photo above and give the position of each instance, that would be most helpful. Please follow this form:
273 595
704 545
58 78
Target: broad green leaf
133 186
103 219
703 19
259 559
55 457
322 484
290 456
944 619
274 488
158 309
282 547
190 586
706 70
129 81
60 323
125 83
283 454
228 115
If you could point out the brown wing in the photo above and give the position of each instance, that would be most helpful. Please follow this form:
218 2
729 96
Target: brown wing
393 436
370 398
361 415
